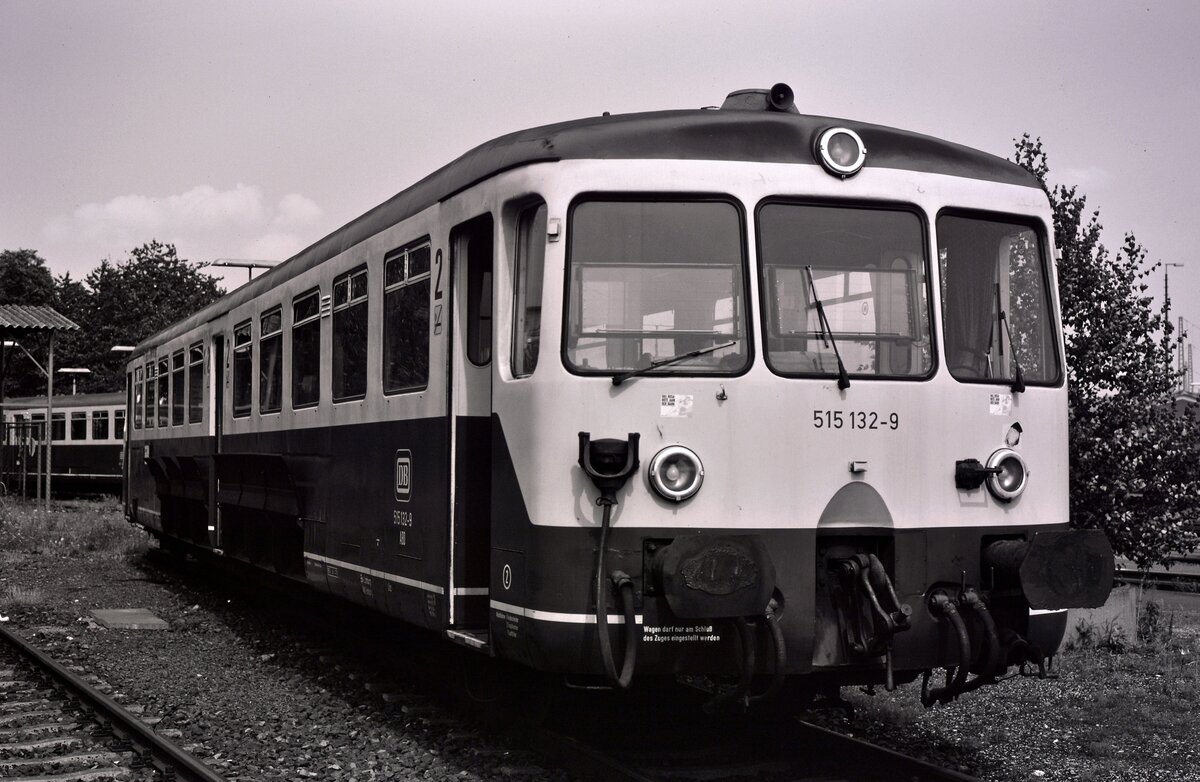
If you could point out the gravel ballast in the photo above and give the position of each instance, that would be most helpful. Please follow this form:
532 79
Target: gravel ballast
261 696
254 699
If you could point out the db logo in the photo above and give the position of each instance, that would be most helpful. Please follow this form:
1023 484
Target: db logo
403 476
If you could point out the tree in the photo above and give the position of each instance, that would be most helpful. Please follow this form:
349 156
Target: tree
115 304
1135 471
131 300
25 280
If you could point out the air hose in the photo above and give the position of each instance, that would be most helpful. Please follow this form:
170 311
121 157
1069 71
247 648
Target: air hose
943 605
610 463
624 586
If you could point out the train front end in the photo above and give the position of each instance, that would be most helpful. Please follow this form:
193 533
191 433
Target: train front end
807 422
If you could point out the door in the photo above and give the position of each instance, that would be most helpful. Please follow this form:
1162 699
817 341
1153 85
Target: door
216 393
472 251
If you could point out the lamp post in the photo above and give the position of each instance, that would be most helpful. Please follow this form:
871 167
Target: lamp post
1167 289
244 263
74 372
1167 296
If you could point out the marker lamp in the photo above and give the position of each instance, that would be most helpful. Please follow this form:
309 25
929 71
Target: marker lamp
1012 477
841 151
676 473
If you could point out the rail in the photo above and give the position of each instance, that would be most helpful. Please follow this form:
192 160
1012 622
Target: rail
147 745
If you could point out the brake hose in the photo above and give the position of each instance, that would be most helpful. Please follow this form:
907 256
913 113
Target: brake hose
624 585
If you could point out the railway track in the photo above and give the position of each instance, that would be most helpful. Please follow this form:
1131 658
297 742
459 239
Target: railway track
666 736
1183 574
790 751
652 734
55 726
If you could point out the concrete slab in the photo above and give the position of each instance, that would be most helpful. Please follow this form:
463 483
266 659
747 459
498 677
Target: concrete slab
128 619
1121 611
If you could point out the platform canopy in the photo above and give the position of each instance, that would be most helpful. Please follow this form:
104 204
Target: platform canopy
18 319
16 322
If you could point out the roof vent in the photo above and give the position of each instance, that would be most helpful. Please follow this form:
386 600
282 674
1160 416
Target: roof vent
778 98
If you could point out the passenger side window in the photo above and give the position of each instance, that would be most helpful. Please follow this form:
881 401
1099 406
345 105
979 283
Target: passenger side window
118 424
138 395
100 425
196 383
177 379
243 369
270 362
163 403
350 335
79 425
148 398
306 349
406 319
527 289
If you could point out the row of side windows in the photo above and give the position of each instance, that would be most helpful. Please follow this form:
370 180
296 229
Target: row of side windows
170 390
104 425
405 338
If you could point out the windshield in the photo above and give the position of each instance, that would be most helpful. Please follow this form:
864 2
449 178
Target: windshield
991 266
868 270
651 280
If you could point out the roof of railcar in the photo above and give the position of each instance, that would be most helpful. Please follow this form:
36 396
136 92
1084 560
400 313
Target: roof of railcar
768 137
65 401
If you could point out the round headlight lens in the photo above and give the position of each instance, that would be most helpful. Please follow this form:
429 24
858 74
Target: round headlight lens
676 473
841 151
1013 475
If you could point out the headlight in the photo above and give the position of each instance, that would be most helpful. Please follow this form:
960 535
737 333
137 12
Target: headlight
1013 475
841 151
676 473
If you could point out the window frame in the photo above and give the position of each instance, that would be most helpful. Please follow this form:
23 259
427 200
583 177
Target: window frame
248 345
309 321
407 280
764 289
178 387
97 417
139 396
351 301
162 401
1038 226
150 396
58 419
525 221
263 337
677 370
78 416
195 401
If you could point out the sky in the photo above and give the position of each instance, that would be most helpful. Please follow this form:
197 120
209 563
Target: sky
243 130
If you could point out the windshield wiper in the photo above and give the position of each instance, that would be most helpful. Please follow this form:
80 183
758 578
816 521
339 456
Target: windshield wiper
621 378
843 378
1018 385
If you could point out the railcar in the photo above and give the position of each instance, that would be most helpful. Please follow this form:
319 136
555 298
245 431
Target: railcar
87 435
732 392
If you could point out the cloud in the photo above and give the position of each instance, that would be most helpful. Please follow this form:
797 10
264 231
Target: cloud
199 209
203 222
274 246
296 211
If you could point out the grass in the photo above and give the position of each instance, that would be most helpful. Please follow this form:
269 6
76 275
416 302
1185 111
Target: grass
1123 708
22 596
80 529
